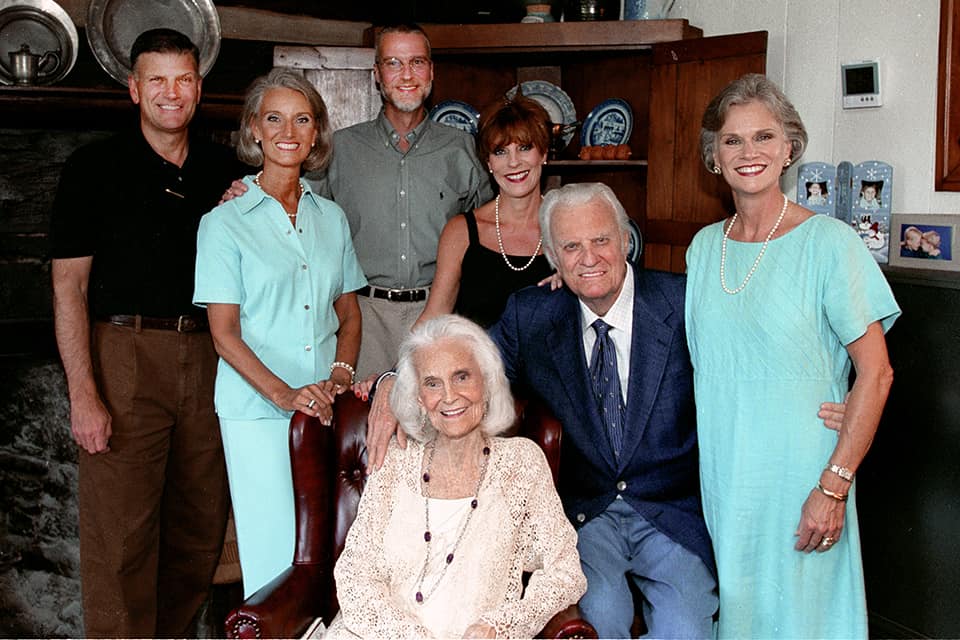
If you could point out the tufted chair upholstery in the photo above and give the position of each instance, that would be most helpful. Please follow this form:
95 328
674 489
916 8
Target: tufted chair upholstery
328 477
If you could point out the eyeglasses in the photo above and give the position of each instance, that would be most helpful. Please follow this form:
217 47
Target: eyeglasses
396 65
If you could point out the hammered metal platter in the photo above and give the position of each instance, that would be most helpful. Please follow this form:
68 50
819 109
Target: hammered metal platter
44 26
113 25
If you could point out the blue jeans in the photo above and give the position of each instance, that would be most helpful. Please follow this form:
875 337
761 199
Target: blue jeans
680 593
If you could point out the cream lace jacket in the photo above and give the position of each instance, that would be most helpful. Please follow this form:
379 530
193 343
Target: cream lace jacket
519 526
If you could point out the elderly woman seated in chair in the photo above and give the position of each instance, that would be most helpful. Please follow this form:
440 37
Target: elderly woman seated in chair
447 527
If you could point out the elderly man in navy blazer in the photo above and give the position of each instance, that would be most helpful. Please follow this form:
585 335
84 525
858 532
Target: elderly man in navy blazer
629 471
629 482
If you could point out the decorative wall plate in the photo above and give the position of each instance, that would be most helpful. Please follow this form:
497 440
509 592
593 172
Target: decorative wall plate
609 123
555 100
44 26
459 115
113 25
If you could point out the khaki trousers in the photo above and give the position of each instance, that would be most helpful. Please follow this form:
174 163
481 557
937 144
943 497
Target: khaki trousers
153 509
385 325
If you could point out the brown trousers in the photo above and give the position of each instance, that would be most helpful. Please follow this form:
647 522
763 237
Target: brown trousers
153 509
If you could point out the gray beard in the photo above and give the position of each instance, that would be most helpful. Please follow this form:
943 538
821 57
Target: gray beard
407 107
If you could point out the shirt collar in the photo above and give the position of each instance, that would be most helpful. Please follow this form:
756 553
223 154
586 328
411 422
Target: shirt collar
620 314
254 196
390 133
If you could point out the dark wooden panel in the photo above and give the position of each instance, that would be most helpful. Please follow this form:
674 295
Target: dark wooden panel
947 176
908 488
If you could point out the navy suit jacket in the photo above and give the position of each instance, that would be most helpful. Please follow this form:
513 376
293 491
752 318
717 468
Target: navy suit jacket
540 338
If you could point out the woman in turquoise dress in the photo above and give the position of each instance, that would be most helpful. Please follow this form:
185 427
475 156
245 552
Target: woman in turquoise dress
780 302
278 274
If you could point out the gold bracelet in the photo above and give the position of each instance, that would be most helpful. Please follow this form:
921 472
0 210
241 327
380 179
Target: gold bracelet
349 369
839 497
843 472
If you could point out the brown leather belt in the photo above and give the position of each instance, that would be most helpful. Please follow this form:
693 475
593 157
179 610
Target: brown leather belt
180 324
394 295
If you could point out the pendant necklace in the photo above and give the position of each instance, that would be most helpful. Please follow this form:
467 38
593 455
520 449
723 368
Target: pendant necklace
256 181
763 249
496 219
421 597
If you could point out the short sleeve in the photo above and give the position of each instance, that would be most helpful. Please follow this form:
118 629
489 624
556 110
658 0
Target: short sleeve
74 228
856 292
218 277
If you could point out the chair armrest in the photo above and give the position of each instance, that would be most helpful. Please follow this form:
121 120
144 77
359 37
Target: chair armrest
568 623
284 607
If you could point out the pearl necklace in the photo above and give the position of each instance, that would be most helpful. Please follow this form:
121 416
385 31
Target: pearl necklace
763 249
420 596
256 181
496 219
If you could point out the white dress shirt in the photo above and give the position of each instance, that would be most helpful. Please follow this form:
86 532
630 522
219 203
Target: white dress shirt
620 319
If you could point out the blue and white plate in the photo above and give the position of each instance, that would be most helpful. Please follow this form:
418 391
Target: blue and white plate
555 100
459 115
635 250
610 122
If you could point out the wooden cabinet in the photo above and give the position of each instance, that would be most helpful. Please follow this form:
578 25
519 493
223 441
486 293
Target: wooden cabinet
663 68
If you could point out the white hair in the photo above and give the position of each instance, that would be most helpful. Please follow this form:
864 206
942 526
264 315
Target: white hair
572 195
500 412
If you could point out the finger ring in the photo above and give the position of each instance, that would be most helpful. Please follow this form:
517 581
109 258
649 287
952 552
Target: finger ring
311 403
827 541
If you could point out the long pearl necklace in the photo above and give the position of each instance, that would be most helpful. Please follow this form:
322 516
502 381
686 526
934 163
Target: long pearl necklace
420 595
496 219
256 181
763 249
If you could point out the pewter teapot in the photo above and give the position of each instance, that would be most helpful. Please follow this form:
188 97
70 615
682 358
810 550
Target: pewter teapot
27 67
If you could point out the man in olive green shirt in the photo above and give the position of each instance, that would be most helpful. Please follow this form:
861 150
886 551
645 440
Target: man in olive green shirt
399 178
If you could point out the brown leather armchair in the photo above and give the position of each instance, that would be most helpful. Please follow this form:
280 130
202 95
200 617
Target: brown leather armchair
328 476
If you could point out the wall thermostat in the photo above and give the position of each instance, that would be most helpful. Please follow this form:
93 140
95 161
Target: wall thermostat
861 84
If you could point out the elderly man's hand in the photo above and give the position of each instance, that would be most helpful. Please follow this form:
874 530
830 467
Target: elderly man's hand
381 425
480 630
832 414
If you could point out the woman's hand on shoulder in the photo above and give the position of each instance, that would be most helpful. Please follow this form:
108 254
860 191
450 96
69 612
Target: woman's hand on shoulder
361 388
554 280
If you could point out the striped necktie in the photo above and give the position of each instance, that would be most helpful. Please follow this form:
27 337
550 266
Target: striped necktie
606 384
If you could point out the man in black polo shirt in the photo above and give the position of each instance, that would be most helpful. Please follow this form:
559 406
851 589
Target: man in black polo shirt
138 357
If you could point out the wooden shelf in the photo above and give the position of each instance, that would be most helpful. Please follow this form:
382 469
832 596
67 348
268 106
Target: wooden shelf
606 164
557 36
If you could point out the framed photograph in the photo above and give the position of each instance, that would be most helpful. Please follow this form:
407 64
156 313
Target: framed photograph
925 241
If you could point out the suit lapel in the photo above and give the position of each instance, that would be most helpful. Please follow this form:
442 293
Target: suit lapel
566 348
649 351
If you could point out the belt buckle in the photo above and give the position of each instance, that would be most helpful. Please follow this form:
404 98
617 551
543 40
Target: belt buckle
390 293
180 320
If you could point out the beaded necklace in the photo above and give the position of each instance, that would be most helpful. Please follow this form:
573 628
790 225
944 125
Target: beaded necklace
256 181
421 597
763 249
496 219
